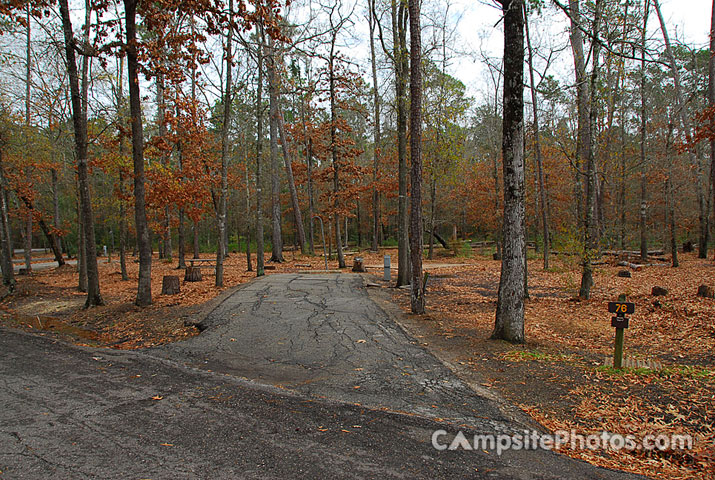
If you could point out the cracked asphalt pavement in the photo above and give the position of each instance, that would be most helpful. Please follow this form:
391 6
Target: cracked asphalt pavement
295 376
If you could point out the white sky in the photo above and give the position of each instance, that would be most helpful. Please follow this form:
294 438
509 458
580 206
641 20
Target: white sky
687 20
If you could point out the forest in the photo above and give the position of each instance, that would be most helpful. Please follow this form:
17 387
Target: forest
142 138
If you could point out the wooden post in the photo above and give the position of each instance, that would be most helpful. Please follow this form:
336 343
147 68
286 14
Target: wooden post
618 352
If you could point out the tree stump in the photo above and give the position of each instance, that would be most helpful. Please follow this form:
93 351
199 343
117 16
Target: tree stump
624 274
358 264
192 274
688 246
705 291
659 291
170 285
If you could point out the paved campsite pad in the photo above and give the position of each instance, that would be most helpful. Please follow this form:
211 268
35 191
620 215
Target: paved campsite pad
322 335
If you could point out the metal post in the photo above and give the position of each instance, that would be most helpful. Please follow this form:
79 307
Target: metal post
387 268
322 233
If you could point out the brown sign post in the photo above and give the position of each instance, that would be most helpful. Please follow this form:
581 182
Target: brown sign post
620 322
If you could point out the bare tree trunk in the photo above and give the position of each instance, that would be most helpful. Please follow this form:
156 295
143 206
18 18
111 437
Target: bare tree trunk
8 274
589 225
249 266
376 131
259 153
433 207
399 21
28 167
417 296
227 100
687 130
288 160
143 240
277 237
537 148
582 102
509 322
711 95
643 144
79 117
334 153
81 252
56 208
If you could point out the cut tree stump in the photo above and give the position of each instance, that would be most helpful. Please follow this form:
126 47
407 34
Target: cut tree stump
358 264
659 291
705 291
192 274
688 246
624 274
170 285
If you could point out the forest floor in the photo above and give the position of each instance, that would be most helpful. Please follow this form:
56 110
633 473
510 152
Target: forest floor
559 377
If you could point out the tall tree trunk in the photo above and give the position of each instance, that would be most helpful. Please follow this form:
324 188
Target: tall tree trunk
311 201
259 152
182 215
417 296
711 95
79 119
143 240
433 206
582 102
589 225
376 131
249 266
28 148
8 273
196 244
537 148
56 208
643 143
399 21
81 252
687 130
227 100
334 154
277 237
509 322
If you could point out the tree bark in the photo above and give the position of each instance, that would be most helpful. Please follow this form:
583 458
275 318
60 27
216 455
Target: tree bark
589 225
399 21
227 100
582 103
259 152
143 241
334 154
79 119
417 296
277 236
537 148
8 273
509 322
711 94
643 143
687 130
376 131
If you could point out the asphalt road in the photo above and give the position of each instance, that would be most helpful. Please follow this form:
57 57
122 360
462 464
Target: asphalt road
302 344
